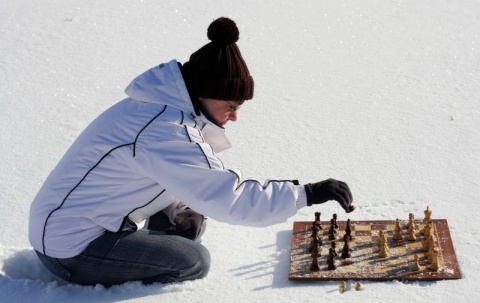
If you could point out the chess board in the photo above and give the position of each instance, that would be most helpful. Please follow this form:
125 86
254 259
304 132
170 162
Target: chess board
364 263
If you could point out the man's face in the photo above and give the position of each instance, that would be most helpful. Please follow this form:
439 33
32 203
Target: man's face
220 110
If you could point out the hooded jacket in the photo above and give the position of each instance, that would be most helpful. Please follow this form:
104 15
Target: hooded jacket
147 153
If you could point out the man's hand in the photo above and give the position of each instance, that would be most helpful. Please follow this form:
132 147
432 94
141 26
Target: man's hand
330 189
187 224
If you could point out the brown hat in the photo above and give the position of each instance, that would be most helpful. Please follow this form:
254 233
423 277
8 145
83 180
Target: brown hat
217 70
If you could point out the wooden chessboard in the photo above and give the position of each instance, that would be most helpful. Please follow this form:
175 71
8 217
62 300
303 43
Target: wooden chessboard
364 263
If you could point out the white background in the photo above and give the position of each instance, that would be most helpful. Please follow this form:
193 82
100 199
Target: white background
381 94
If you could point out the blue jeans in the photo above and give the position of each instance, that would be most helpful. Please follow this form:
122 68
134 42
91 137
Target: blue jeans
145 255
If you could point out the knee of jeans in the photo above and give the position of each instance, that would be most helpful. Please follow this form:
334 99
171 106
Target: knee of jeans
205 261
53 265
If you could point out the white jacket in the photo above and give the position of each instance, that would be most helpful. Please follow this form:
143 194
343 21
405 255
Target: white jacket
142 155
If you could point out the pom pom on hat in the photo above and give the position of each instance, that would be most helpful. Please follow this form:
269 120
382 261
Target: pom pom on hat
217 70
223 31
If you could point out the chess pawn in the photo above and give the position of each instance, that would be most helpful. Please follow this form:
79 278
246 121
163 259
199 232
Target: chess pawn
425 247
381 238
313 244
331 263
411 235
335 223
384 251
348 231
428 214
331 233
397 234
332 250
358 286
346 250
385 242
411 222
314 266
431 243
434 263
416 264
331 259
426 241
431 247
317 220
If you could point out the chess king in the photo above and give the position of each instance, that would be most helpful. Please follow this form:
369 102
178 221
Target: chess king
128 200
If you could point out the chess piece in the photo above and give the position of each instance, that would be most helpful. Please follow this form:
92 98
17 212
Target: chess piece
416 263
386 242
331 259
335 221
331 263
426 240
431 243
316 251
428 243
331 232
384 250
334 248
343 287
358 286
425 243
397 233
314 230
411 235
427 228
381 237
346 250
383 241
434 263
428 214
431 247
317 219
313 244
314 266
348 231
411 222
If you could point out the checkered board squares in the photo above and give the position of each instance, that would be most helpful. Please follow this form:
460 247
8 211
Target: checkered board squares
365 264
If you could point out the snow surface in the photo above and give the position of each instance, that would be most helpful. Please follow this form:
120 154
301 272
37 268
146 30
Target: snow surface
383 94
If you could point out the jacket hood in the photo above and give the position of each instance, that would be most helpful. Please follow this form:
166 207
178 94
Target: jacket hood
162 84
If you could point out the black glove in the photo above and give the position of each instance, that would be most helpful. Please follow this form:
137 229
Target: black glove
330 189
187 224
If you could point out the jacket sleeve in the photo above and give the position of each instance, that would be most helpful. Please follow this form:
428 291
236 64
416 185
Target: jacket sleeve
191 171
173 209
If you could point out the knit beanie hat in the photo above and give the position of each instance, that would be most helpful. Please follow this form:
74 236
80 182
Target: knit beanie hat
217 70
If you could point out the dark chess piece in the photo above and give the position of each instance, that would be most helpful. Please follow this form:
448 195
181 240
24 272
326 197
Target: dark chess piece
348 231
335 221
314 266
317 219
334 248
314 230
346 250
331 231
331 260
316 251
313 244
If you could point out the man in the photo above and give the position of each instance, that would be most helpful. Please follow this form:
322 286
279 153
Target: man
125 202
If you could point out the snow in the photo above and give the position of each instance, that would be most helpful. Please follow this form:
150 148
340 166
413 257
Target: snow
382 94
